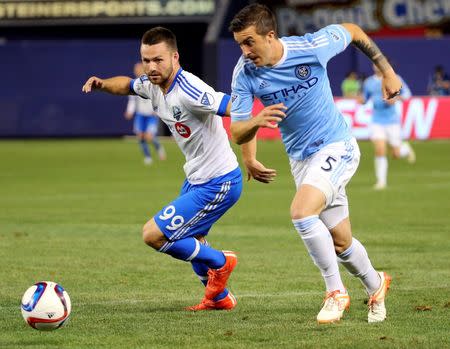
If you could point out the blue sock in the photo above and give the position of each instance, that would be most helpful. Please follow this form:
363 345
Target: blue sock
201 270
144 147
190 249
156 143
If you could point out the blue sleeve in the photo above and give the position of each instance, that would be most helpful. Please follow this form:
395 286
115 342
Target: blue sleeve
223 105
132 86
329 41
241 98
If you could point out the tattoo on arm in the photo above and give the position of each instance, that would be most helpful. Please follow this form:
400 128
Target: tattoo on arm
371 50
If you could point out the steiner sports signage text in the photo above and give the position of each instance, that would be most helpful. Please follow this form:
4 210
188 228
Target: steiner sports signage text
34 12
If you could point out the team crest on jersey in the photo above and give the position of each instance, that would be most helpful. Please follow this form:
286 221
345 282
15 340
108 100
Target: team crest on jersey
303 71
207 99
176 111
264 84
182 129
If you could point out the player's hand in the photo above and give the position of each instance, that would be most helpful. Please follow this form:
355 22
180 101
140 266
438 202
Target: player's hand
391 85
392 101
259 172
270 116
93 83
128 115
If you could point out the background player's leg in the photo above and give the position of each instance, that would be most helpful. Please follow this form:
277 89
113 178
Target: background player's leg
407 152
140 127
145 149
152 137
400 149
381 164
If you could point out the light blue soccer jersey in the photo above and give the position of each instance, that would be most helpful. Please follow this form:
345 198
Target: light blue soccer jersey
383 113
300 81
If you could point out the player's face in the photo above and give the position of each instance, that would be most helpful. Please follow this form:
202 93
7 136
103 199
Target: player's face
158 61
254 46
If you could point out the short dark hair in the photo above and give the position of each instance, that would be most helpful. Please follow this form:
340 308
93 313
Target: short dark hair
255 14
157 35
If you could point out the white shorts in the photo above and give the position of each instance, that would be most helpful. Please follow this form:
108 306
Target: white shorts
391 133
329 170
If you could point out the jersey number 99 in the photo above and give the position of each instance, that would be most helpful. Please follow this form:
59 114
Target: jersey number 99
176 221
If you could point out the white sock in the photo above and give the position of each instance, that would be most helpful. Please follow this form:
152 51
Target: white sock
357 262
405 149
381 167
319 244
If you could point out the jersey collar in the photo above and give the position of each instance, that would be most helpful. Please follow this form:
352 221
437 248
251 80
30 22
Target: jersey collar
283 57
174 80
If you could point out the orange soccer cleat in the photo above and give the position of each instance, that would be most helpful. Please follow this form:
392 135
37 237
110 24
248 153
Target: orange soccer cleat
377 309
333 308
227 303
217 278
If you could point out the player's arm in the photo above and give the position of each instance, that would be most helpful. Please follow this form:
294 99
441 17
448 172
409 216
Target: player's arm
118 85
391 84
254 168
245 130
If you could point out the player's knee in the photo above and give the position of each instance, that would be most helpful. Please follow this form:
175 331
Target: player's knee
152 236
341 233
148 137
301 212
341 245
380 152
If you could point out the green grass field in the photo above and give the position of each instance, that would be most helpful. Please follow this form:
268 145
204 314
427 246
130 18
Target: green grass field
71 211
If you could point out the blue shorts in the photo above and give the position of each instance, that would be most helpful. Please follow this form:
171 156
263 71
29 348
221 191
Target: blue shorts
199 206
145 124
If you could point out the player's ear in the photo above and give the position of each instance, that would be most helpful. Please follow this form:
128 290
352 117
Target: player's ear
271 35
176 56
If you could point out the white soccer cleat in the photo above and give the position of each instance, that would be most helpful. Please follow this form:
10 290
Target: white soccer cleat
333 308
411 155
379 186
148 161
162 153
377 309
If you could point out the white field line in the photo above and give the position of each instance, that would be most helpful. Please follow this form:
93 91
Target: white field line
433 174
126 301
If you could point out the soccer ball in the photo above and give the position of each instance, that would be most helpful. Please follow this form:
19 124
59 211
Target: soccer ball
46 306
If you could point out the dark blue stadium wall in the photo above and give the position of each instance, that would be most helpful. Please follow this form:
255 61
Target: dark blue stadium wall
40 94
414 59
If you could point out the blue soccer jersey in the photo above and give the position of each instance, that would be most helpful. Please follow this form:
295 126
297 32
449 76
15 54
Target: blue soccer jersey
383 113
300 81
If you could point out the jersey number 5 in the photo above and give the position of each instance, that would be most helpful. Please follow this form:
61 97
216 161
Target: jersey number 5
176 221
328 161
